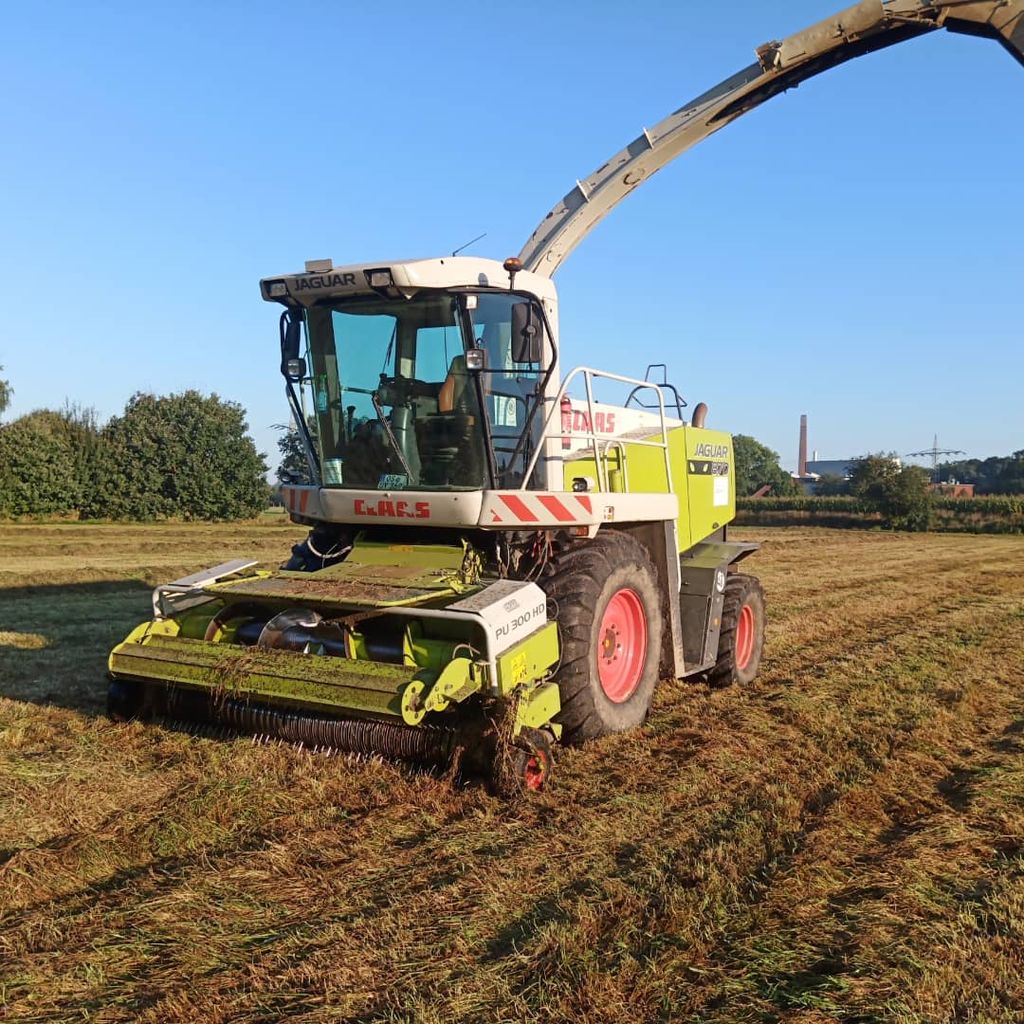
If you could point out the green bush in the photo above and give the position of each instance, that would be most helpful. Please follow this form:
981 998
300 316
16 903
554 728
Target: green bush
76 429
899 494
38 474
757 465
5 394
185 456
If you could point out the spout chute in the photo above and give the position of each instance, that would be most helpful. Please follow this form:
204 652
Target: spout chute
865 27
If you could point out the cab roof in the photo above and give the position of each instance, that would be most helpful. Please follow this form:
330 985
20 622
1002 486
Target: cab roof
322 280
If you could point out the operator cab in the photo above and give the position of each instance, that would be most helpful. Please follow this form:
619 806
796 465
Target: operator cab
420 388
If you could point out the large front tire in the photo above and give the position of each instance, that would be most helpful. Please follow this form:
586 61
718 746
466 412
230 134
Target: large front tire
610 622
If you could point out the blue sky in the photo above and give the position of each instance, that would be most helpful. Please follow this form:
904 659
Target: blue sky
851 250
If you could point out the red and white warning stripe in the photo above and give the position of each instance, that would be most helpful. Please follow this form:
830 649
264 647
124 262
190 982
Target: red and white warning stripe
532 509
296 498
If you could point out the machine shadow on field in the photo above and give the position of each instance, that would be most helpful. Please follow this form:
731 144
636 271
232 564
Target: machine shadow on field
54 640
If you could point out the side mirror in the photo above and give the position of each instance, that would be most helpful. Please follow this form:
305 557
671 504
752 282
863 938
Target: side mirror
292 366
527 334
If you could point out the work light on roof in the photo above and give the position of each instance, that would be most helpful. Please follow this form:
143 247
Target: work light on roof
379 278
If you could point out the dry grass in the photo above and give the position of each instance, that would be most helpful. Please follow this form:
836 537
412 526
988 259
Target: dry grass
844 842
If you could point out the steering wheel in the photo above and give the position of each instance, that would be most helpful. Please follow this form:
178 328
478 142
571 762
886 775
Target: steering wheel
402 389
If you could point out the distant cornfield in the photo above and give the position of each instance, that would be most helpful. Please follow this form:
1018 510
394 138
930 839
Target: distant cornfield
987 514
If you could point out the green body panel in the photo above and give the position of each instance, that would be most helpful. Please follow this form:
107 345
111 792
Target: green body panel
321 684
459 679
373 576
413 559
710 472
417 649
528 660
537 706
703 477
160 652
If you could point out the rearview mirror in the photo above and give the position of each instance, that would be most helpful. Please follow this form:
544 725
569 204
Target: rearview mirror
291 343
527 334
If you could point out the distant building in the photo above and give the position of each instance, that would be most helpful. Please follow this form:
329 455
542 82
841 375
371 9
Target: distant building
817 468
810 471
952 489
831 467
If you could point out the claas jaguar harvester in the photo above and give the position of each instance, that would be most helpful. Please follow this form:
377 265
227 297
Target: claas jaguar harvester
496 559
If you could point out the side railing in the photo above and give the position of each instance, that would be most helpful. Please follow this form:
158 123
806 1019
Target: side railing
601 456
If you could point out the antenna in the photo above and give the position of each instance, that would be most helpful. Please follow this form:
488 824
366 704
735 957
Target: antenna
469 243
934 452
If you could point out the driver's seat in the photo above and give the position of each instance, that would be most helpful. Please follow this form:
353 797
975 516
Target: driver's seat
453 389
447 443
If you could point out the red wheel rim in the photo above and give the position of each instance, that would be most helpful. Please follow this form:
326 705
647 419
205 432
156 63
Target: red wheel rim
535 773
744 637
622 645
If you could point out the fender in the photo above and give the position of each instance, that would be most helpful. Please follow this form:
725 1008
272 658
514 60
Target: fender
702 574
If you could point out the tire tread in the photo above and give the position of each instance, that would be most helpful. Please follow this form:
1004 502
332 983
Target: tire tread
575 587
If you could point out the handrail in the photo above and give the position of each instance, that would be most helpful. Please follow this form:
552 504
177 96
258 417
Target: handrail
556 408
620 454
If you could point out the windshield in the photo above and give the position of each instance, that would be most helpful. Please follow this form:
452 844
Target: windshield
395 406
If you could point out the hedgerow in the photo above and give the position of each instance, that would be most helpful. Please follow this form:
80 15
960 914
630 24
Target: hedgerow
988 514
37 472
185 456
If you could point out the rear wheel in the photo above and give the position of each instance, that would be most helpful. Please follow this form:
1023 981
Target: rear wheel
741 641
610 623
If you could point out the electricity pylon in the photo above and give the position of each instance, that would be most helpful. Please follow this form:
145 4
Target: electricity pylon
935 451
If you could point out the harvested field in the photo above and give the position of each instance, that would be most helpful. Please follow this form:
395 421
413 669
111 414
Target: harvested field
843 842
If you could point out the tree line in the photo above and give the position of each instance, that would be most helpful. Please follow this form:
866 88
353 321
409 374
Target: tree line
900 495
1000 474
190 456
184 456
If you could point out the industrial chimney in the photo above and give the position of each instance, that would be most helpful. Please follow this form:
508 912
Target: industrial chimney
802 462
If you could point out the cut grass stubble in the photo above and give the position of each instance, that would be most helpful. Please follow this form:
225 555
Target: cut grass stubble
841 842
